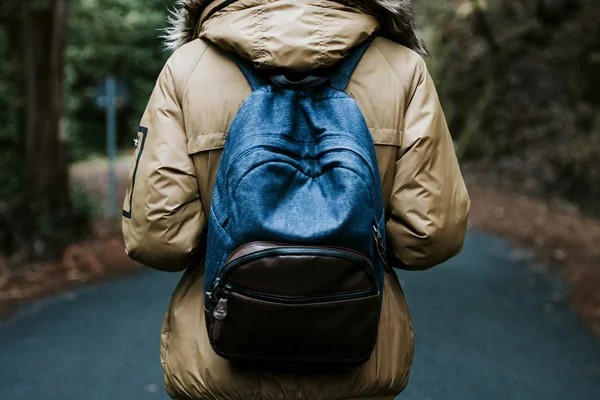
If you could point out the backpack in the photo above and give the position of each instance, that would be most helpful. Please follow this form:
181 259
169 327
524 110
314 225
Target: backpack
295 256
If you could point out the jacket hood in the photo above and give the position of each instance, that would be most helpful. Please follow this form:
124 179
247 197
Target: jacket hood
321 33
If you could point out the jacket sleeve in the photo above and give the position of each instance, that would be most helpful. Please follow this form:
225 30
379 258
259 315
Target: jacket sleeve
429 205
162 218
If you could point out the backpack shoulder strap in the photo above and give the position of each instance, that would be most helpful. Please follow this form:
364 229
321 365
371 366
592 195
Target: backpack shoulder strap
254 79
341 78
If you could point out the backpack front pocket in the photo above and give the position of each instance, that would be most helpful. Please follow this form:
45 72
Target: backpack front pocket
294 307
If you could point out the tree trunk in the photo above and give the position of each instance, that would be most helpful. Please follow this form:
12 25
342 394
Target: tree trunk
555 11
482 27
45 180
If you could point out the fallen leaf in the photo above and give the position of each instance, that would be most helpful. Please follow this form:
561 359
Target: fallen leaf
499 212
560 254
151 388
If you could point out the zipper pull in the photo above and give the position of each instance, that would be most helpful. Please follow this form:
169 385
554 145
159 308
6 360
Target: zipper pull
381 248
220 313
211 294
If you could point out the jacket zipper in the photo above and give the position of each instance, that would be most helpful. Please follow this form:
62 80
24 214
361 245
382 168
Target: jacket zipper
144 131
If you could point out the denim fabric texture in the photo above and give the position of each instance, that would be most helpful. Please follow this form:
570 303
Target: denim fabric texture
298 167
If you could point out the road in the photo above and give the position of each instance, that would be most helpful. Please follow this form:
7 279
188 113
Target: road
488 325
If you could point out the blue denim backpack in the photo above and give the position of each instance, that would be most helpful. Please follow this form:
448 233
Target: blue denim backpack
296 236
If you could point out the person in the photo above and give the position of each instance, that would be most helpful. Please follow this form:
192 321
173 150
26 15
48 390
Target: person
180 143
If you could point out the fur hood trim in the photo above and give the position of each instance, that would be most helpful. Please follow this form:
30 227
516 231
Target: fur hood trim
397 17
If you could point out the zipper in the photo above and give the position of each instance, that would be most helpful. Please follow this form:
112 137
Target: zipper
305 299
296 251
381 248
287 245
221 309
144 131
220 313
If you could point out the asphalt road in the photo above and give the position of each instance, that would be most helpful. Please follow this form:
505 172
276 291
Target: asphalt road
488 325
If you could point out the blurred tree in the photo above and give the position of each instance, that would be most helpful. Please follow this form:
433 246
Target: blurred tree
554 11
52 65
519 83
35 44
119 37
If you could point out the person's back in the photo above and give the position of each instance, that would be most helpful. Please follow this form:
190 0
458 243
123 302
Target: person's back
181 139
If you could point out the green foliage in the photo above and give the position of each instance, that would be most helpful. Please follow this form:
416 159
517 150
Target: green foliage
118 37
104 37
48 235
519 84
84 207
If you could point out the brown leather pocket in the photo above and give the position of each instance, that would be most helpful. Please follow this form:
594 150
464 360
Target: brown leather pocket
295 307
281 335
295 271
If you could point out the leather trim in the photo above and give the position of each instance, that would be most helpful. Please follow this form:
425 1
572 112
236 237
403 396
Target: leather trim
293 275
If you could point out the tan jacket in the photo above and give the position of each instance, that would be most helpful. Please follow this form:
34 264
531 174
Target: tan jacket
180 143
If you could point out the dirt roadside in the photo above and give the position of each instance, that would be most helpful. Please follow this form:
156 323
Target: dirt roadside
559 235
92 259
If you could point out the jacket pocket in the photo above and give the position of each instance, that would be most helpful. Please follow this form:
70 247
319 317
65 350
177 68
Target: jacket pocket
140 142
